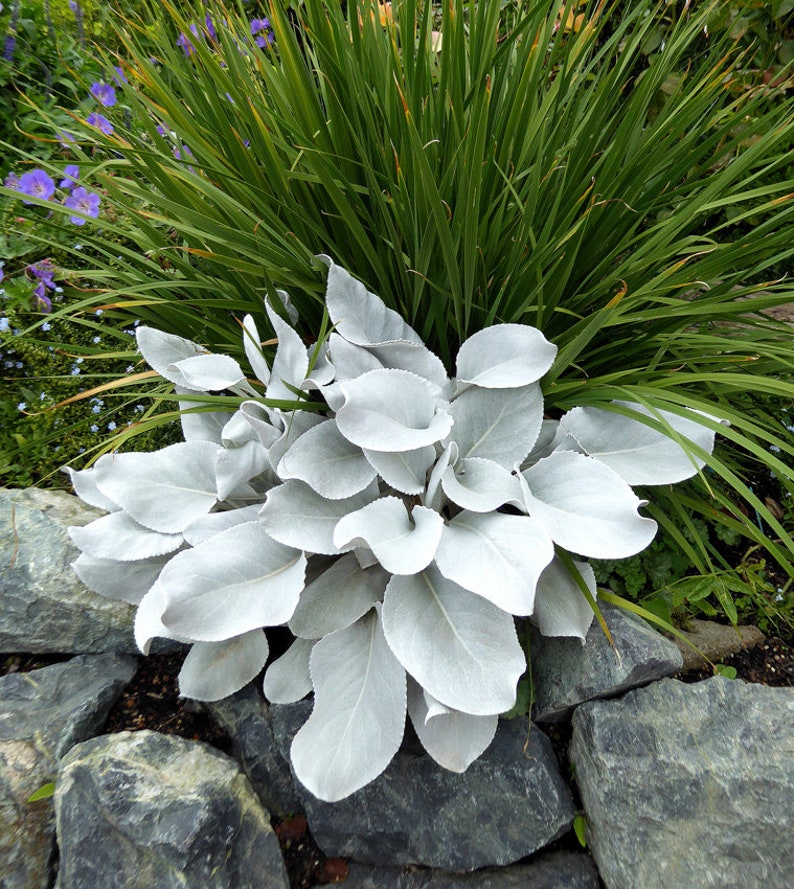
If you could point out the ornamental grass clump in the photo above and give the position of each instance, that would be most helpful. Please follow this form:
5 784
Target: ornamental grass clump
398 523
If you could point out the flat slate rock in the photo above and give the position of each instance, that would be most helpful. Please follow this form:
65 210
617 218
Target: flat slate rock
157 811
716 641
245 716
508 804
43 713
689 785
44 607
552 870
566 673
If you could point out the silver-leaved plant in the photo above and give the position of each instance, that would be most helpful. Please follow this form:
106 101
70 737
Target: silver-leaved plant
396 533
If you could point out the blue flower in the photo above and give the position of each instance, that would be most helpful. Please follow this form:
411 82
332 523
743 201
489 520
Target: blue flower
46 326
4 325
97 339
21 406
93 427
111 426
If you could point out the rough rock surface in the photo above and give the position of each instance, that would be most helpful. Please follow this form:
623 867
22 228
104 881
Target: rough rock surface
555 870
716 641
245 716
44 607
42 714
689 785
145 809
506 805
565 672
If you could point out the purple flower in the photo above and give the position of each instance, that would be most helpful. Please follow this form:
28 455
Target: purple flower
119 77
83 201
65 138
211 28
44 270
43 302
12 181
103 93
162 130
74 7
264 40
71 174
37 184
8 52
100 122
258 25
183 42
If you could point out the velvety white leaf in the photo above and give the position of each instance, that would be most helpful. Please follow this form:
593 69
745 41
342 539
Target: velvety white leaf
324 459
497 424
405 471
166 489
361 317
84 483
338 597
434 496
198 423
238 431
234 582
236 466
417 358
403 543
290 363
586 507
639 454
391 410
207 526
480 485
350 361
163 350
293 425
459 647
546 442
288 679
560 606
207 373
148 625
452 738
215 670
500 557
253 350
322 371
127 581
359 712
260 420
505 356
298 516
119 537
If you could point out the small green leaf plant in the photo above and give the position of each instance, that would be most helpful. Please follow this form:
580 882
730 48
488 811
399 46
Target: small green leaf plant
397 522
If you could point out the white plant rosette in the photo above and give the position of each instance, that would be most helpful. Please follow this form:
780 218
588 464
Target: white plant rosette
396 533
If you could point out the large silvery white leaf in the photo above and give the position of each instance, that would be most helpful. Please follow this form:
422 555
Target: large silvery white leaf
350 361
499 557
84 483
360 316
253 350
359 712
324 459
497 424
288 679
238 431
402 543
209 525
586 507
207 373
298 516
148 625
119 537
391 410
480 485
452 738
290 363
338 597
405 471
199 423
260 420
164 490
639 454
417 358
293 425
234 467
215 670
127 581
560 606
234 582
505 356
459 647
163 350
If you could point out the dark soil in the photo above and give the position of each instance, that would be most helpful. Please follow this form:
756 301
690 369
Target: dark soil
151 701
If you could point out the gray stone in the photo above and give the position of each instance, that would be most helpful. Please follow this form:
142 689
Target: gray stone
716 641
509 803
245 717
44 607
566 673
145 809
42 714
689 785
553 870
